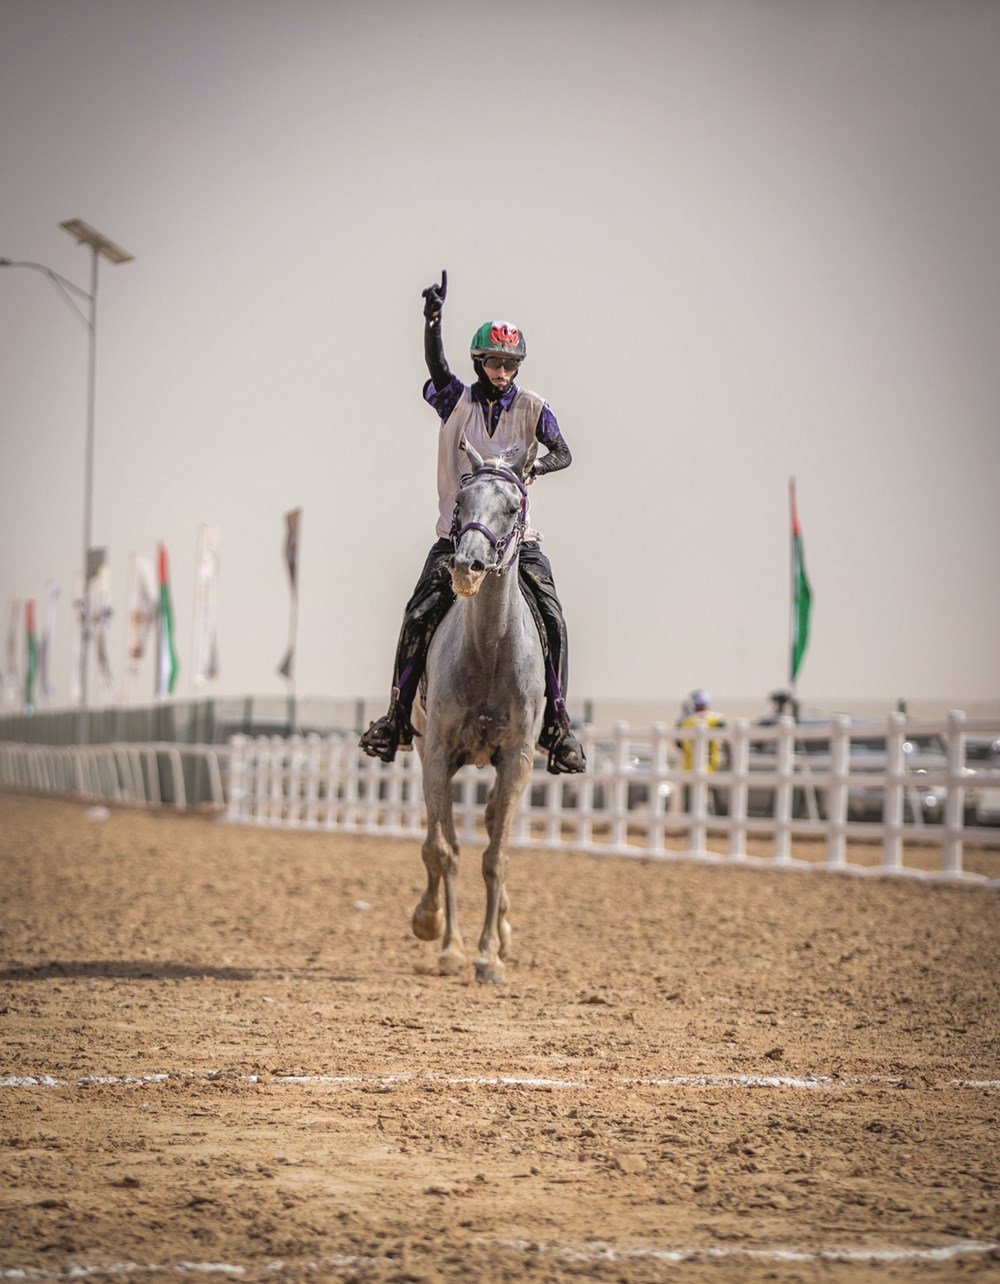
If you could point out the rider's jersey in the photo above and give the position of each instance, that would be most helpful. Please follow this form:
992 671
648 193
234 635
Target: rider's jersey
517 418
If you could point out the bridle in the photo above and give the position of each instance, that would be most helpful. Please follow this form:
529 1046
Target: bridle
513 537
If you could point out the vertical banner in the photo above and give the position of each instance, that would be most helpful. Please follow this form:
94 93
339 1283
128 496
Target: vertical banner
100 619
206 589
167 666
801 594
12 670
30 656
80 623
143 613
293 526
47 640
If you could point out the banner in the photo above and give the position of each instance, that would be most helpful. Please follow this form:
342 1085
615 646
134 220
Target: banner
167 666
143 611
48 639
801 606
76 661
206 586
293 524
30 656
12 691
100 618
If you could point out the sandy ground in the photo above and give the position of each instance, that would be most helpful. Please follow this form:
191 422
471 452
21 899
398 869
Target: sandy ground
693 1074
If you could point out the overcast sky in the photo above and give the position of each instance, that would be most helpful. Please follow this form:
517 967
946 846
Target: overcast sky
745 240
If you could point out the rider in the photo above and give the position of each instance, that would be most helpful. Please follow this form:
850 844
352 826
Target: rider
497 417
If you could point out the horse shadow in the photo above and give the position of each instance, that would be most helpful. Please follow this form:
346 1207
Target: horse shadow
157 970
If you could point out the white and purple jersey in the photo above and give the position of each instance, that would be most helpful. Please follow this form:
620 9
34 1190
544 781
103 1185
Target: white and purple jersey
501 428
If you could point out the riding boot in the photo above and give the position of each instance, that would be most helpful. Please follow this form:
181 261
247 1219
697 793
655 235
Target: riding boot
425 610
565 752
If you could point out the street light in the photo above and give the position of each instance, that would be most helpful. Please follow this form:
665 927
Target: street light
100 246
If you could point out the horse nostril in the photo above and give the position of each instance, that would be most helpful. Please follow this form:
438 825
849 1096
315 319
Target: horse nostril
477 567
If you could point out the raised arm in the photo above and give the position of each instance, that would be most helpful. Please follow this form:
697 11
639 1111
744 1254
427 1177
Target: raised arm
437 366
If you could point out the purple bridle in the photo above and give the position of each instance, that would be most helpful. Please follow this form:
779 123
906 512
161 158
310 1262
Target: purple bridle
513 537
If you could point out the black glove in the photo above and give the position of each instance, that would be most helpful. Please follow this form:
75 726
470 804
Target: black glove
434 296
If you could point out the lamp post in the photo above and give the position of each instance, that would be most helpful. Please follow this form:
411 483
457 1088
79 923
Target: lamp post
100 246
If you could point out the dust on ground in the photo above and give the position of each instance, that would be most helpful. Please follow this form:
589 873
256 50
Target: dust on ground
695 1073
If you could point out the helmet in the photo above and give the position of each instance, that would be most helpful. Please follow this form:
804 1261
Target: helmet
498 337
700 699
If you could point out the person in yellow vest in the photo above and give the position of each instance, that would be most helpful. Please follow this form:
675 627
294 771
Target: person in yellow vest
698 713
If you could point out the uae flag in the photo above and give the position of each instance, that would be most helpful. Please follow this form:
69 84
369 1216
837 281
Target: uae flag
31 656
166 669
801 593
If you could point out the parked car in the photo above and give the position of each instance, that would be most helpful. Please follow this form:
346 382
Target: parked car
603 767
982 757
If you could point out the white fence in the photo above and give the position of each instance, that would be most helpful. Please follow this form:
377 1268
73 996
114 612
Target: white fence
897 797
151 775
909 792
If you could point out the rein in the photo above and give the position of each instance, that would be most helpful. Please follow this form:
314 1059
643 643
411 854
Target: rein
513 536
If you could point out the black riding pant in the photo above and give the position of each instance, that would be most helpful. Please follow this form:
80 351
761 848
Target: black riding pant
433 596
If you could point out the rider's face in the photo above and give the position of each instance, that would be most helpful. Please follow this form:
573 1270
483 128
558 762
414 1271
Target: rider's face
500 370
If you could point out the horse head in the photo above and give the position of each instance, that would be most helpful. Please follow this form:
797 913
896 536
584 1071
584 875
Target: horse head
490 518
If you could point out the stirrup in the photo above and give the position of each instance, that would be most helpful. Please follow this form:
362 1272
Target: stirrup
566 756
381 740
390 732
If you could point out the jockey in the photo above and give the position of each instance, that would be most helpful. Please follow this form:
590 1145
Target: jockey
498 418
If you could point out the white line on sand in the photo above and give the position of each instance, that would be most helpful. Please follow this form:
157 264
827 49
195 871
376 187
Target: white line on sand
604 1253
813 1082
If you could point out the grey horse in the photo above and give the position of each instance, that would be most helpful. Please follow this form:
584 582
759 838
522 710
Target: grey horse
485 696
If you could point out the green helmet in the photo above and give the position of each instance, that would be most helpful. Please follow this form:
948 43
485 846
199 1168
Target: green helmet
500 338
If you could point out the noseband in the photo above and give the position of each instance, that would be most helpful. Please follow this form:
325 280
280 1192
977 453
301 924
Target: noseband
513 537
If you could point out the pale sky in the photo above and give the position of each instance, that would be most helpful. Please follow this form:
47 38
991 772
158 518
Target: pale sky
745 239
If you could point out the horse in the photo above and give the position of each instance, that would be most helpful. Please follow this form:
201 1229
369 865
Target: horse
483 703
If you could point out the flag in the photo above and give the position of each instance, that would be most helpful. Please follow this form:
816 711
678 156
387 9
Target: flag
801 593
166 674
80 616
12 684
48 639
206 580
100 618
144 610
31 656
293 522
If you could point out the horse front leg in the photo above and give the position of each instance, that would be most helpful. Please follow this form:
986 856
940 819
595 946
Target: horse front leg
431 921
495 942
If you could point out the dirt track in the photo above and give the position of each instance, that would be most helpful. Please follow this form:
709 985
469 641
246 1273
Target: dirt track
619 1101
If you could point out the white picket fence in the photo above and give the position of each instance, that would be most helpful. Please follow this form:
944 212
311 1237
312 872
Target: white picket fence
776 788
144 775
628 803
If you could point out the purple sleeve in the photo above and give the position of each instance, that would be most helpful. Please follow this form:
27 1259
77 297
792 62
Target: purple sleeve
547 431
445 401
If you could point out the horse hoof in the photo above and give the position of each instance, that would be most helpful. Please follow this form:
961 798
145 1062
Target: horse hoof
451 963
490 973
428 925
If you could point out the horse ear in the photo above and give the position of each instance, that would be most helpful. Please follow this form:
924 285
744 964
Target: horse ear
475 458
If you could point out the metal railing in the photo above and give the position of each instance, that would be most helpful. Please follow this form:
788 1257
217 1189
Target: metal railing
144 775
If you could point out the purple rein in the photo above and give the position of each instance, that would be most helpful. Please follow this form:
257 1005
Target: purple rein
505 541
